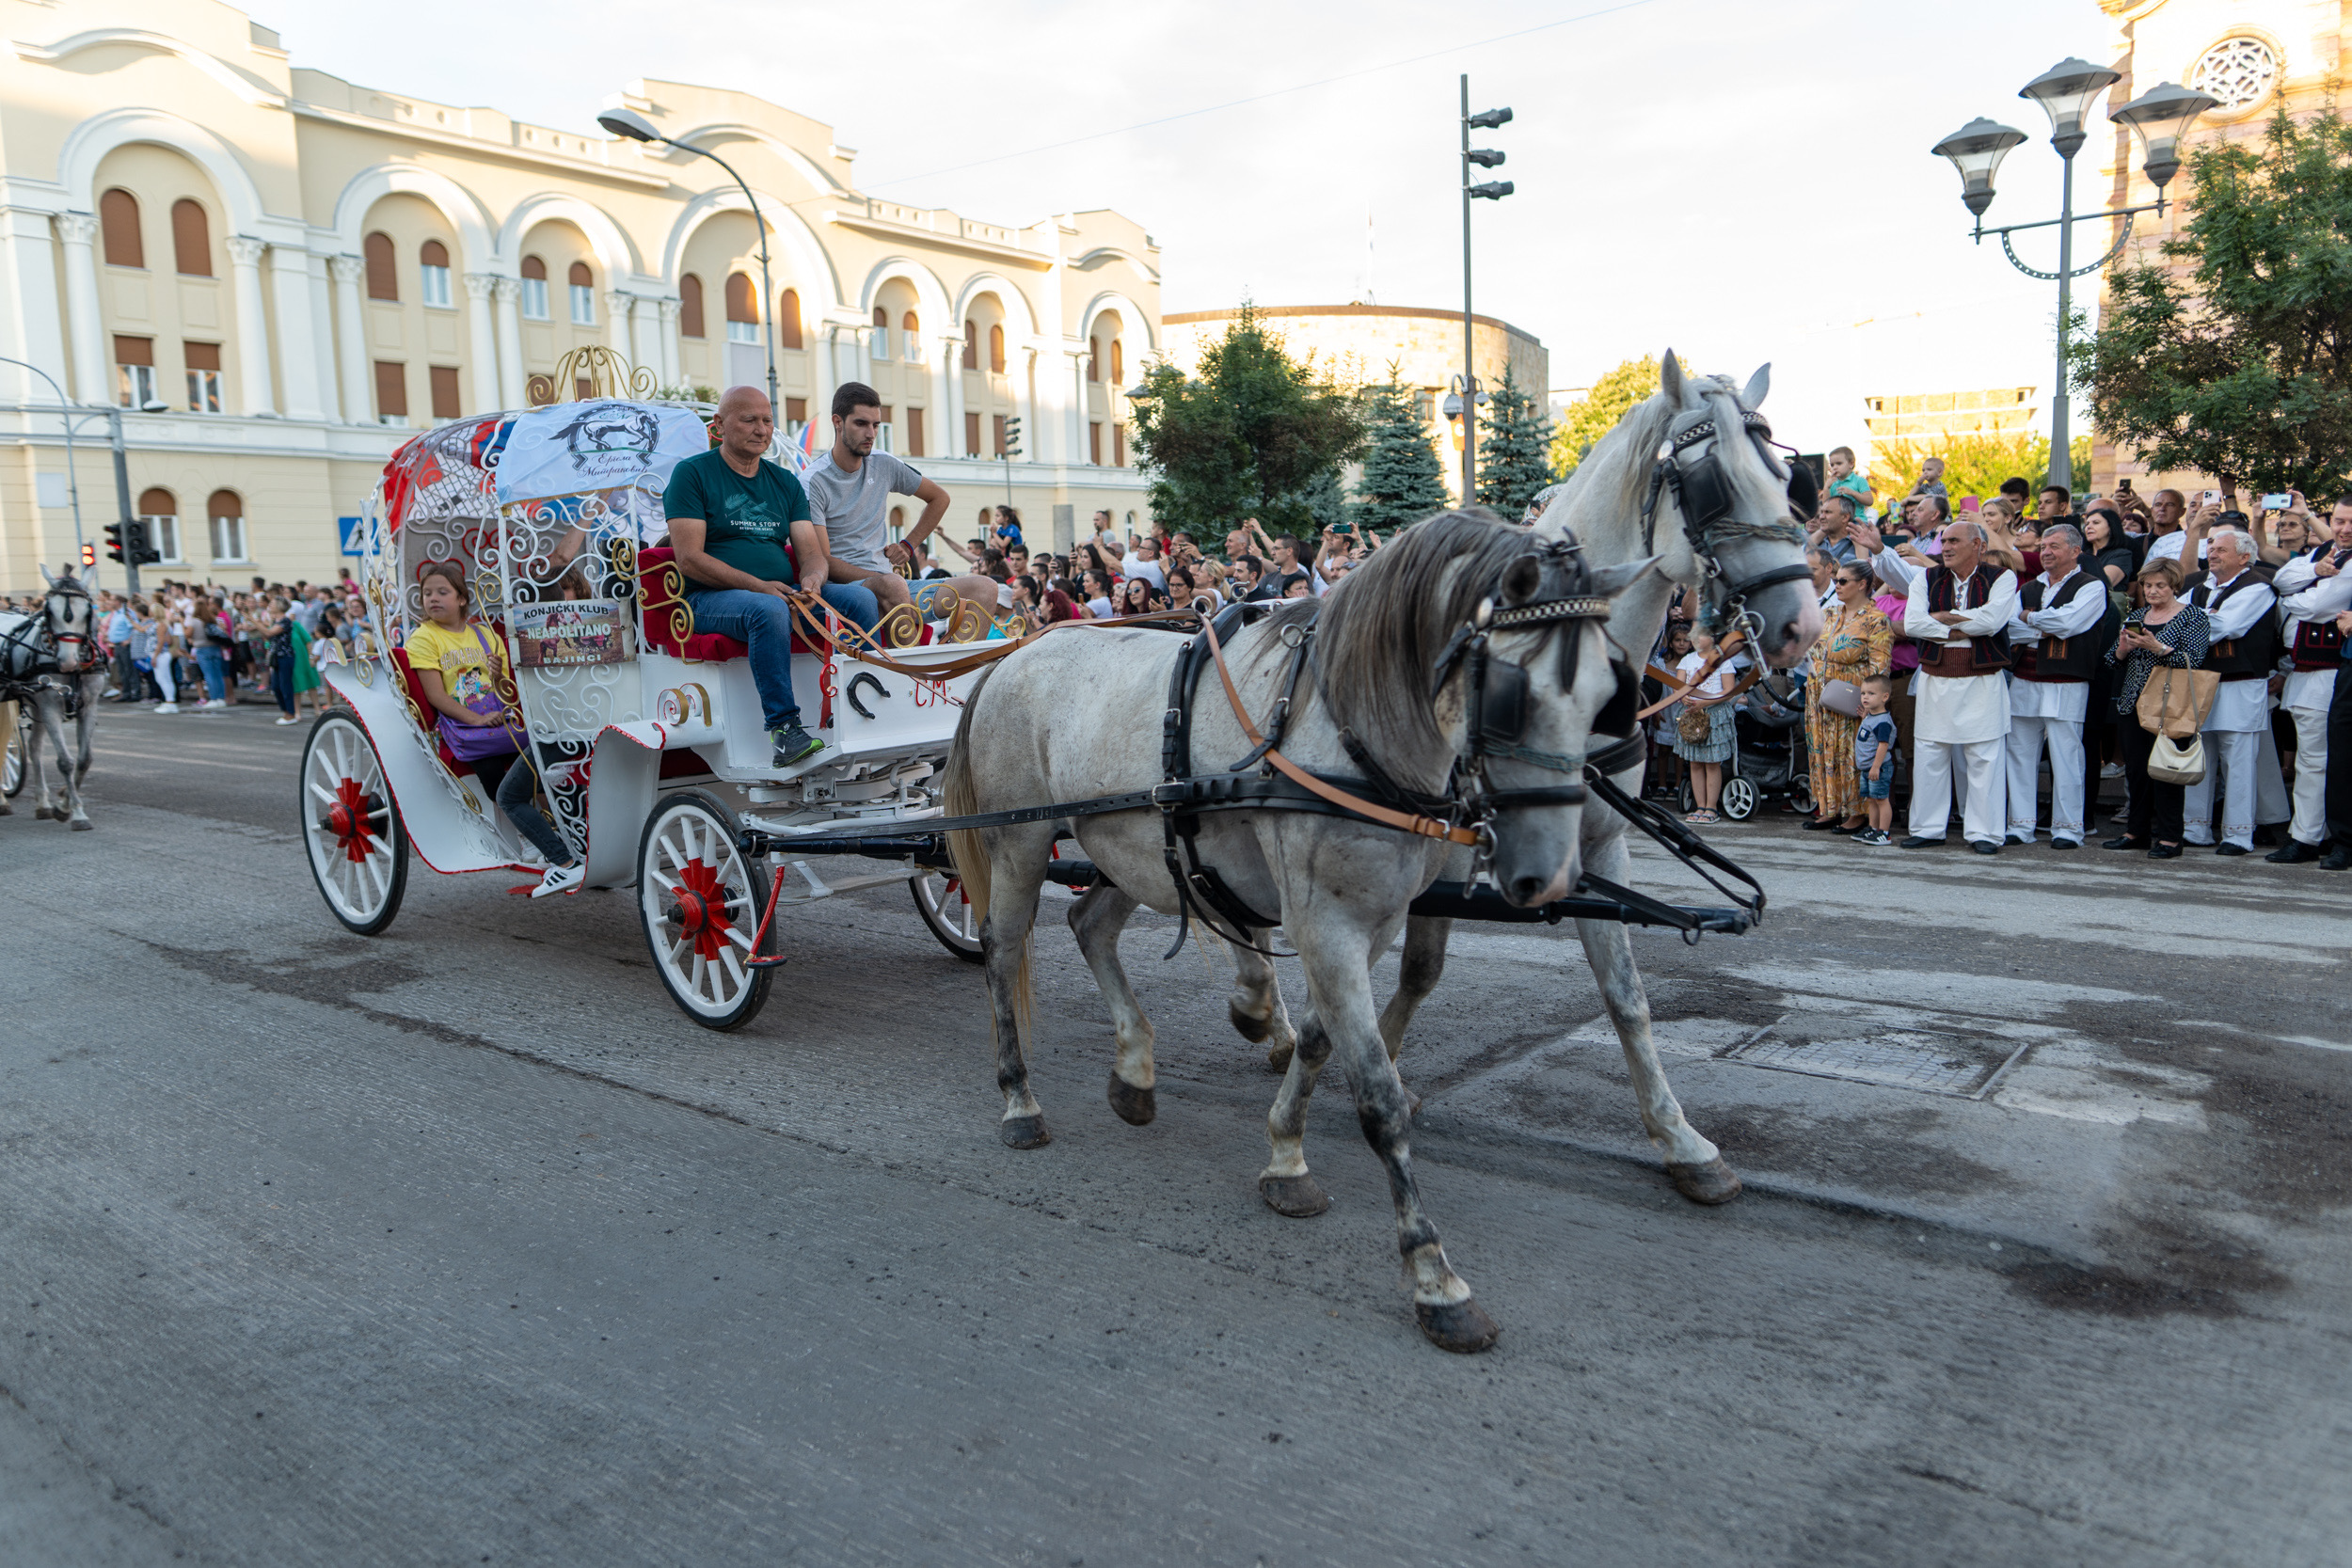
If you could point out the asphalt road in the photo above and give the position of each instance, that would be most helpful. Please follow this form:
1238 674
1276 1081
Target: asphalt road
462 1246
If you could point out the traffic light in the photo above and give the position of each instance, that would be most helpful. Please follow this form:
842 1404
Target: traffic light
140 542
90 555
1013 436
113 547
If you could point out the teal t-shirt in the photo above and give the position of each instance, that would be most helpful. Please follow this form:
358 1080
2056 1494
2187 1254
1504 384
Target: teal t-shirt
747 522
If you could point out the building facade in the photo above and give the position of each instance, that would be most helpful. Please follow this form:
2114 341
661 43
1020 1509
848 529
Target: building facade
1370 345
2252 55
298 270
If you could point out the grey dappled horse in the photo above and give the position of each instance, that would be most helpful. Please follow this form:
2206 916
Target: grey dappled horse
1749 536
51 660
1339 886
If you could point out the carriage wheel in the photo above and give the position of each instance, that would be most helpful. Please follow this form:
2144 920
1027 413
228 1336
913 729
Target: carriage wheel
702 900
940 899
14 771
358 850
1738 798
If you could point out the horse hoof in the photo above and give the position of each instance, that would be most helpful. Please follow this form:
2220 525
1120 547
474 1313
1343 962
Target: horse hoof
1023 1132
1136 1107
1251 1028
42 814
1712 1182
82 825
1463 1327
1278 1057
1301 1197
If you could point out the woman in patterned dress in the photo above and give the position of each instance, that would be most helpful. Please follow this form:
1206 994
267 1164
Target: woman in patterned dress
1857 641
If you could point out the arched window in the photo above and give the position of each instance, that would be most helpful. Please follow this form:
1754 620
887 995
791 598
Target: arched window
432 263
996 348
788 319
226 510
882 317
1094 358
743 311
878 341
909 323
690 306
970 344
1119 370
383 272
118 227
160 511
191 239
583 292
534 289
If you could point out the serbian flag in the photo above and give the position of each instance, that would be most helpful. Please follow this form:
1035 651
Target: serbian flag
803 449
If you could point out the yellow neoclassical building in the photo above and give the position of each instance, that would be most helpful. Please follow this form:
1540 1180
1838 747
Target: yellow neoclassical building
1362 344
300 269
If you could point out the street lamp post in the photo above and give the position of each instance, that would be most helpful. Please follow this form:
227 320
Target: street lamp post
1485 120
636 127
2160 118
72 417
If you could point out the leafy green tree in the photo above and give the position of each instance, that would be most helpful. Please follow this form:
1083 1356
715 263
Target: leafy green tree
2234 356
1973 465
1593 416
1513 462
1401 483
1251 436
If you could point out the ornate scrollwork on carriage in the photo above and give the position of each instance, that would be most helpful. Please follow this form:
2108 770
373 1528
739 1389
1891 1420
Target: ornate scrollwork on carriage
591 370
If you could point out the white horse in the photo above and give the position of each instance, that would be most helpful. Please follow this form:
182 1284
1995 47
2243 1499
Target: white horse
1430 682
1722 526
51 660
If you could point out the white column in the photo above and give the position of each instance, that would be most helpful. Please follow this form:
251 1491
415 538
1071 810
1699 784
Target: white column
1077 424
254 394
1027 400
950 398
825 364
289 284
482 350
616 320
351 340
666 310
28 312
644 336
85 328
508 294
322 307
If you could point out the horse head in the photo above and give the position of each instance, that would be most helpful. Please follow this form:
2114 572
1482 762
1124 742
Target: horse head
70 616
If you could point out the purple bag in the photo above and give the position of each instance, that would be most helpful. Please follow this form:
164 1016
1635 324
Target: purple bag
471 742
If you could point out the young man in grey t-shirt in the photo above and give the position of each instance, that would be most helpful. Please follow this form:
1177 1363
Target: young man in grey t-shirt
849 496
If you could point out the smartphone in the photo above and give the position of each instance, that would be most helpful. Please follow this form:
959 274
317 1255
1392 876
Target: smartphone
2276 503
2123 487
2209 497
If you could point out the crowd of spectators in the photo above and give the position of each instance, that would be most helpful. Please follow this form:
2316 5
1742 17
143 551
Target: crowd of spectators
186 647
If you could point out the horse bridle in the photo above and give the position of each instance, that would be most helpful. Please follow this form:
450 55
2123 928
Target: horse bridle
1690 464
71 589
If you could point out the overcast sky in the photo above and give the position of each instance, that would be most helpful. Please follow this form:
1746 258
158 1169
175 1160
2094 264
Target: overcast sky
1742 181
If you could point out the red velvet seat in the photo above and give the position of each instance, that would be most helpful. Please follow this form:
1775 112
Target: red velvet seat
428 718
668 620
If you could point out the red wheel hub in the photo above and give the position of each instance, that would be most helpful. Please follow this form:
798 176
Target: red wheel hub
348 819
701 909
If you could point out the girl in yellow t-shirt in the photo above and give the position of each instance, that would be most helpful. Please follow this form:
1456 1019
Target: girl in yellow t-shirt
460 669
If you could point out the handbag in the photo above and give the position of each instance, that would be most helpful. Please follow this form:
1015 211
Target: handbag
1842 697
475 742
2177 762
2177 707
1695 725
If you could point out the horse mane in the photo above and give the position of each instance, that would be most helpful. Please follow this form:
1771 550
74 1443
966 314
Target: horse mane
1613 481
1381 632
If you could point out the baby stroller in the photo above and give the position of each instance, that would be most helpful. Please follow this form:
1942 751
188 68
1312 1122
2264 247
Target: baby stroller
1768 749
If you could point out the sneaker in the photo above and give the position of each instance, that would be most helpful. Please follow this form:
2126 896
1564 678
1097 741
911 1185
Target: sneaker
793 744
1873 838
2112 771
164 707
286 718
559 879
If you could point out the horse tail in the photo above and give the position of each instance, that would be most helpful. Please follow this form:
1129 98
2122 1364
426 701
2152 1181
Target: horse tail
960 797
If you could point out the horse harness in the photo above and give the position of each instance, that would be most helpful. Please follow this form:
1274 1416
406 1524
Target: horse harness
1690 465
33 642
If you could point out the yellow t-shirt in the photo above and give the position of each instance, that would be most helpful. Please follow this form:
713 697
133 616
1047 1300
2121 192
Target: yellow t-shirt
466 673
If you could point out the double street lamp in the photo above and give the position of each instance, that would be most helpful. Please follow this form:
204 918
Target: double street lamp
127 541
636 127
2160 118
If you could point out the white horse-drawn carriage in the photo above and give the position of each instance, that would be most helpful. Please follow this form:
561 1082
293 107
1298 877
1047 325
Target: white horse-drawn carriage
648 734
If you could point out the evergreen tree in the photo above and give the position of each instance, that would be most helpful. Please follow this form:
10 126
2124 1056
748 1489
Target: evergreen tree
1326 501
1401 483
1514 462
1249 436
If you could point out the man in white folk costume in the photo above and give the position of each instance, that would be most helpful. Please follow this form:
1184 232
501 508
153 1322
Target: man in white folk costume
1960 612
2243 649
2313 588
2053 654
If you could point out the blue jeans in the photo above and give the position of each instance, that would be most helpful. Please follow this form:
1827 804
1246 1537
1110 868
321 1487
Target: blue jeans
764 622
513 781
208 659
